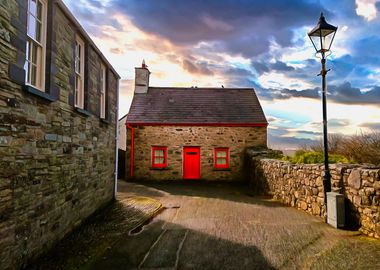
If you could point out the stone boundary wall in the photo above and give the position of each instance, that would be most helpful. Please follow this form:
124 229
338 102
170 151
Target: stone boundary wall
300 186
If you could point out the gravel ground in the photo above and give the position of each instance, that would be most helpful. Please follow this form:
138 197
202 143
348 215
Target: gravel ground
207 226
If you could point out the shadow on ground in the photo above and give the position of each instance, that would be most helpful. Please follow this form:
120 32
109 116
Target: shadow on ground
97 234
179 248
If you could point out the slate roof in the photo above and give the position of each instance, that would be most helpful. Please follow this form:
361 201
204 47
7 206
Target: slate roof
196 106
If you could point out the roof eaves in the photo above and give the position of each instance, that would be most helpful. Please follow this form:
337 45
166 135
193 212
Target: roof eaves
246 124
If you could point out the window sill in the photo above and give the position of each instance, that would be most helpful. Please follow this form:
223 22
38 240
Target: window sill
34 91
222 169
83 111
160 169
104 120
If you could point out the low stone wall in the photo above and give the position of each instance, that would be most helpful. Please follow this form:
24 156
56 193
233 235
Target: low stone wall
300 186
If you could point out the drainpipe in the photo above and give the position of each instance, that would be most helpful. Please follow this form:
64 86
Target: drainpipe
116 141
132 156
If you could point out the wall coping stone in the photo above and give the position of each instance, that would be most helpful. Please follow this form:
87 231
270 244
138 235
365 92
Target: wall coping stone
331 165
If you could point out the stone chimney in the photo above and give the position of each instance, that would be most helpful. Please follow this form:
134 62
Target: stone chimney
142 79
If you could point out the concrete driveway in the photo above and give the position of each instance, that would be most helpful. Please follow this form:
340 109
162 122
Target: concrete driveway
218 226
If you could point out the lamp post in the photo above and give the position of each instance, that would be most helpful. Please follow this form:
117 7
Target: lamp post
322 36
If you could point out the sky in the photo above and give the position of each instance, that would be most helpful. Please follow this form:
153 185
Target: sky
249 43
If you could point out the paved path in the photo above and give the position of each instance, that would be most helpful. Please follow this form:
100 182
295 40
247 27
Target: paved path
218 226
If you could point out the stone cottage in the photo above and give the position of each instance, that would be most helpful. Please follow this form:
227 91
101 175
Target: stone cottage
191 133
58 117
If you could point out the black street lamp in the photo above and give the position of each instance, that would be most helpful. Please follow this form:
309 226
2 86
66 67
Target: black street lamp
322 36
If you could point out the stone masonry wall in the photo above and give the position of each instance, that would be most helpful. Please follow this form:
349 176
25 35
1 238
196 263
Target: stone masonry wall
56 164
300 186
237 139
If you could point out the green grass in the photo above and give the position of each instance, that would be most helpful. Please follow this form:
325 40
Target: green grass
351 254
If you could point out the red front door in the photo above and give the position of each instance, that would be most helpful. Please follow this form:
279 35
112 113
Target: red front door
191 163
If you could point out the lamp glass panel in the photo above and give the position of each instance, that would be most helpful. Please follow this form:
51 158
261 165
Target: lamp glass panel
316 42
327 40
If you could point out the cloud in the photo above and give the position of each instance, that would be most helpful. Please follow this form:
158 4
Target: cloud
338 122
237 72
343 94
260 67
199 68
367 9
273 94
280 142
117 51
372 126
263 67
239 27
347 94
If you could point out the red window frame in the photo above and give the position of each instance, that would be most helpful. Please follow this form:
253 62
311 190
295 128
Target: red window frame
154 157
227 158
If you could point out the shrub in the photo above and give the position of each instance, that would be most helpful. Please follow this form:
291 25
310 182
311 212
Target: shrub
361 148
311 157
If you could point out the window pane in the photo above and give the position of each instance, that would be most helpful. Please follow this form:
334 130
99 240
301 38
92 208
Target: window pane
39 11
29 47
26 68
30 73
38 31
76 65
78 83
33 74
221 154
26 65
158 153
34 53
33 6
221 161
159 160
76 57
32 26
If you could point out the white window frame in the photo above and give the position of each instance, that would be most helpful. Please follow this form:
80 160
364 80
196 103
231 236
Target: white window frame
31 42
103 90
79 73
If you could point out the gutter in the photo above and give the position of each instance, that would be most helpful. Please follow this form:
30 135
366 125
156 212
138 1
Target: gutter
116 141
132 157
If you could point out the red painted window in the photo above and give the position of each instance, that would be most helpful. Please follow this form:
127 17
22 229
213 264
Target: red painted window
159 157
221 158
